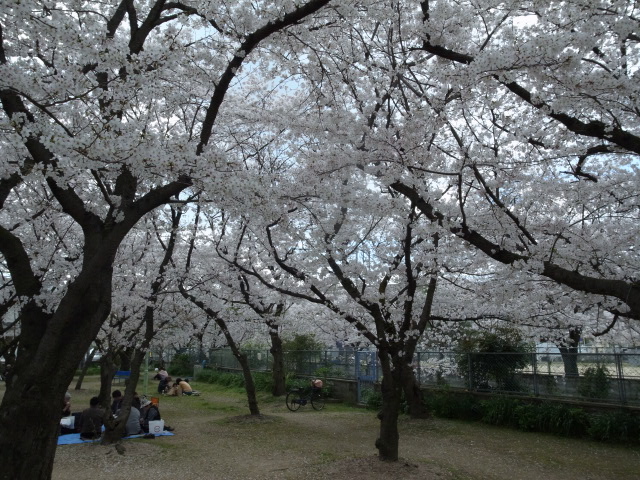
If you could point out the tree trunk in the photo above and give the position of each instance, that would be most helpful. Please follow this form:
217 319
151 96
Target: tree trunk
570 361
31 424
242 358
125 359
51 348
387 442
413 394
277 372
108 369
248 381
115 427
85 366
569 353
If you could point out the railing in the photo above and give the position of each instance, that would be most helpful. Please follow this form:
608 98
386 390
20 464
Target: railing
600 377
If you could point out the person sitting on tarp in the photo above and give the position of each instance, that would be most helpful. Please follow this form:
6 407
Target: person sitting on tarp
184 387
66 405
67 428
164 385
133 423
91 420
117 402
148 413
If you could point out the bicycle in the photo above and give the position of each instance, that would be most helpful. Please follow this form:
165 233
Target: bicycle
301 396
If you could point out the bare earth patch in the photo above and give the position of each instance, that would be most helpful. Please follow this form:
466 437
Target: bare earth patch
370 467
244 419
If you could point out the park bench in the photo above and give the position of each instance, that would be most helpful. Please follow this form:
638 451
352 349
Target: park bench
121 375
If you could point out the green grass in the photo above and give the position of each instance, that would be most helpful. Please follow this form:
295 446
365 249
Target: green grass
212 440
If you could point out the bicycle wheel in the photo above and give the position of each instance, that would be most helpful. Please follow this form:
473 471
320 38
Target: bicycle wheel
293 401
317 401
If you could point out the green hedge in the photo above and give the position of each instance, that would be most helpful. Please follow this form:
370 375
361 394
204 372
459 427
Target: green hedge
548 417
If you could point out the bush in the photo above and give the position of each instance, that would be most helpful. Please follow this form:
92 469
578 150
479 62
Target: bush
304 343
291 382
447 405
545 417
486 357
372 399
500 411
561 420
615 426
331 371
181 365
263 381
595 382
207 376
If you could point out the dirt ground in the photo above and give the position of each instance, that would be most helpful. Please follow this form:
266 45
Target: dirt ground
216 440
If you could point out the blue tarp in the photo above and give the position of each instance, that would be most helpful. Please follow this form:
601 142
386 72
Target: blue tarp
73 438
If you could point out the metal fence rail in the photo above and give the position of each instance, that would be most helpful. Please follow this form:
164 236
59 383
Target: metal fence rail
601 377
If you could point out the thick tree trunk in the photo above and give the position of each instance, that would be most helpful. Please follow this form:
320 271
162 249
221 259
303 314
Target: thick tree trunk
51 347
248 381
387 442
413 394
570 360
277 372
569 353
31 427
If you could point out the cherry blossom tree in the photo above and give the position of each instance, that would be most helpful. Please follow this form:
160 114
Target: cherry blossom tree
511 126
378 273
503 135
109 112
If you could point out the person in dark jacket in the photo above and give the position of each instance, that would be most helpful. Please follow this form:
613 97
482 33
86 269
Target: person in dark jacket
91 420
117 402
148 413
164 385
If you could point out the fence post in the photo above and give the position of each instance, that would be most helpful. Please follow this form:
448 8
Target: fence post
470 371
621 386
536 390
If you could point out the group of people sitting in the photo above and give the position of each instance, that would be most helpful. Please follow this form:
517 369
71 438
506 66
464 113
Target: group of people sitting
90 421
175 389
142 412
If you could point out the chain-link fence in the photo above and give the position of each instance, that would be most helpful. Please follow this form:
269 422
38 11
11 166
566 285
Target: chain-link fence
601 377
608 377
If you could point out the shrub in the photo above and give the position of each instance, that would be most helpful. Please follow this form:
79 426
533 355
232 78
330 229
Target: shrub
292 382
500 411
614 426
181 365
595 382
447 405
372 399
485 357
207 376
561 420
527 417
263 381
330 371
547 417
